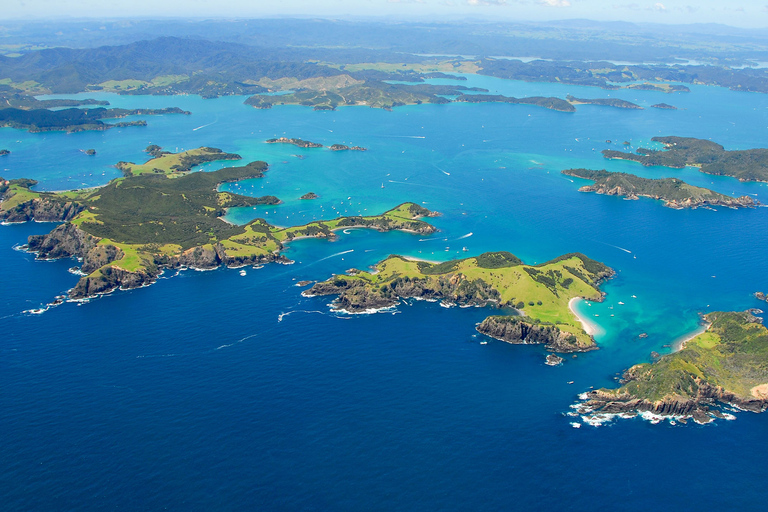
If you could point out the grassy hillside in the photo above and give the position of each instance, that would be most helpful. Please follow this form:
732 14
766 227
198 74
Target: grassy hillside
541 291
712 158
674 192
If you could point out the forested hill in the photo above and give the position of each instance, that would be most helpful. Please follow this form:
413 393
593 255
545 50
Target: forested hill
66 70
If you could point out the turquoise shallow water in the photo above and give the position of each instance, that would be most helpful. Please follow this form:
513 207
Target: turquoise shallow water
210 390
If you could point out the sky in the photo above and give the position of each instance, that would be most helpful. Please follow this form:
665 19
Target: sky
739 13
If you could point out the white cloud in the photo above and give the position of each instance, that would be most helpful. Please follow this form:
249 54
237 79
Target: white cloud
659 7
555 3
486 2
407 1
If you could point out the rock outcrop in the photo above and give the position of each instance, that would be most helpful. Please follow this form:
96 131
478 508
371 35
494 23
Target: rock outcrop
697 407
41 209
516 330
355 295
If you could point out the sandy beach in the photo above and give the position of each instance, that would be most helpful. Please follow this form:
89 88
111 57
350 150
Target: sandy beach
588 326
679 344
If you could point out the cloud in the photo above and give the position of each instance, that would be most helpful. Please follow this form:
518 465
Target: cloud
406 1
555 3
658 6
486 2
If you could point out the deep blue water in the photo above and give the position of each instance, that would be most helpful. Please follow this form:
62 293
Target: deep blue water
214 391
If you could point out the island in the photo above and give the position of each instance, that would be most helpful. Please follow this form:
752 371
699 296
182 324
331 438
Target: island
75 119
668 88
606 102
664 106
4 152
372 93
539 295
307 144
726 364
164 162
540 101
674 192
90 152
710 157
162 216
296 142
343 147
309 195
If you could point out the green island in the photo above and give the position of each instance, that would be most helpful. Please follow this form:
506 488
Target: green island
370 93
664 106
726 364
307 144
674 192
606 102
165 162
541 294
75 119
539 101
161 216
710 157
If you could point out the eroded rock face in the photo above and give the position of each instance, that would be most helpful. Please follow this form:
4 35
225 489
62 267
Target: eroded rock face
65 241
42 210
696 407
110 278
99 256
356 295
516 330
200 257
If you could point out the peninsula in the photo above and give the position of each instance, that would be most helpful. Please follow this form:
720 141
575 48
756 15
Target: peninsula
726 364
606 102
75 119
307 144
540 101
162 216
710 157
674 192
540 293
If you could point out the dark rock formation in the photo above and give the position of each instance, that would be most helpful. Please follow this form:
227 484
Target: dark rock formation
309 195
342 147
516 330
553 360
356 295
42 209
697 407
296 142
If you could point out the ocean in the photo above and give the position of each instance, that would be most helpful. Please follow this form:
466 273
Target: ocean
216 391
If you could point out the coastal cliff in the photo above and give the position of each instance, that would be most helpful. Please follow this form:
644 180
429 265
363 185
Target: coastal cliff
727 364
161 215
675 193
516 330
709 156
497 279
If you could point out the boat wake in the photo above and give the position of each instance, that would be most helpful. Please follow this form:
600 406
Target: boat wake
205 125
334 255
614 246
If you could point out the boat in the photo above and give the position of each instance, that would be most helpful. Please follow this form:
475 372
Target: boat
242 272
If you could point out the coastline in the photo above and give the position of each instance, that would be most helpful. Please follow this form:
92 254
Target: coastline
679 344
589 327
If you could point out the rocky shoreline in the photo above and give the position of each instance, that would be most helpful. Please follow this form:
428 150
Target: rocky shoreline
675 193
516 330
69 241
722 366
